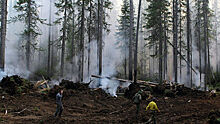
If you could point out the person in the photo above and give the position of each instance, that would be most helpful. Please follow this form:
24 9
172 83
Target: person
59 108
153 108
137 100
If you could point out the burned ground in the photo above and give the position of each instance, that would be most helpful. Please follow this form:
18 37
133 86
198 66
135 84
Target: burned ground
95 106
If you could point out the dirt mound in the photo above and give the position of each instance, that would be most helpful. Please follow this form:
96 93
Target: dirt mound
132 89
74 86
164 90
71 88
15 85
214 117
159 89
52 92
185 91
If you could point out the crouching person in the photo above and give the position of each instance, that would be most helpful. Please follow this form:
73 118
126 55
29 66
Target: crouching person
153 108
59 109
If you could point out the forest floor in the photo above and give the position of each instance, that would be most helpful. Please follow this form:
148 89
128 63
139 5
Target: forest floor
95 106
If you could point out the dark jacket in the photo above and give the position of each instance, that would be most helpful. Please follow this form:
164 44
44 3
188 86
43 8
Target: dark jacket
59 99
137 98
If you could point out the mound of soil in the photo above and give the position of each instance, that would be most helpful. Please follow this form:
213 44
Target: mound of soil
132 89
74 86
71 88
159 89
214 117
15 85
52 92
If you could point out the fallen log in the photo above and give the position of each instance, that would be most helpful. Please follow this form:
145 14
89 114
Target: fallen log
143 83
111 78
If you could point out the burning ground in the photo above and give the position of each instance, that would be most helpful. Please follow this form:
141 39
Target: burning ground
85 105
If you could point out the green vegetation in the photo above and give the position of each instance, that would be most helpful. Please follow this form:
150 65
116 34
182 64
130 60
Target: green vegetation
36 109
214 81
1 119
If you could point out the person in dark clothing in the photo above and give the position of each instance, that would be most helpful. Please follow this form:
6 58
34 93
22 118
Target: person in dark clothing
137 100
59 109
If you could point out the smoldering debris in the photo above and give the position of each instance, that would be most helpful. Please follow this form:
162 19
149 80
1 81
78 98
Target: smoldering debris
110 86
15 85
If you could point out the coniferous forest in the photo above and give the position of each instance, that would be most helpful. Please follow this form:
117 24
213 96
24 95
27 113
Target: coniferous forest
102 53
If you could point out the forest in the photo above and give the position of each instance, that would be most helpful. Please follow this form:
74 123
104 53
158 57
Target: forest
107 51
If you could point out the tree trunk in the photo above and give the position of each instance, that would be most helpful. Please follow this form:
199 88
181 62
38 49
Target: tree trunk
28 44
82 41
73 41
180 23
100 36
136 44
125 50
188 43
52 55
49 44
199 40
125 63
131 40
216 34
165 48
175 38
3 34
209 71
160 51
89 33
63 41
205 37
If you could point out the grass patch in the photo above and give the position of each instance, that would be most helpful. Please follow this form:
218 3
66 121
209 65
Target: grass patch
36 109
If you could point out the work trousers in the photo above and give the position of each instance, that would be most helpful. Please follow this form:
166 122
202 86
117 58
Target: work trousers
137 108
152 118
59 110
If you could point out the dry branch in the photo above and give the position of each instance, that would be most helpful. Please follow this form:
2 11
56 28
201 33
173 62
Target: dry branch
20 111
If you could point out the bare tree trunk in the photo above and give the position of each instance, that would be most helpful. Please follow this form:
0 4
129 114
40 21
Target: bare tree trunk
165 48
63 41
180 23
89 33
52 54
28 44
205 37
136 44
125 63
49 45
160 51
216 35
131 40
125 51
188 42
73 40
175 38
82 41
3 34
199 40
100 36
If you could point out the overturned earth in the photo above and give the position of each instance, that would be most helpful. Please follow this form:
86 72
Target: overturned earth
85 105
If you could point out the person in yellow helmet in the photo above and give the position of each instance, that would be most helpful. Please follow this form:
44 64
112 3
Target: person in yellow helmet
153 108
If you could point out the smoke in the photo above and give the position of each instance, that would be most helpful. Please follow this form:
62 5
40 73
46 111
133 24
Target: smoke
109 86
111 55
